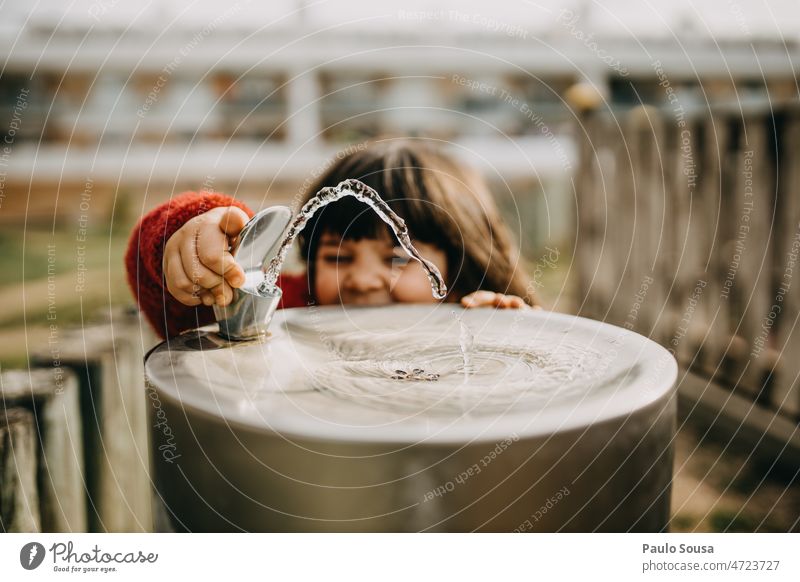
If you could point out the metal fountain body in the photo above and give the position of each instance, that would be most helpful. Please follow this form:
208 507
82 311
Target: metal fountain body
248 435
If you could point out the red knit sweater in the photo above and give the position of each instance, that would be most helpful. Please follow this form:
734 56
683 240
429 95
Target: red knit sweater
143 261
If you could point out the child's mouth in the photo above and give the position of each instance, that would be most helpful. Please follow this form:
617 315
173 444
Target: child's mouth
366 300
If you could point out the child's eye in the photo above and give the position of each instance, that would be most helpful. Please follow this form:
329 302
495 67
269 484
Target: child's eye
337 259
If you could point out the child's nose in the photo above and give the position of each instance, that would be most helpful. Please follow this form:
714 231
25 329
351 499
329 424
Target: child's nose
364 280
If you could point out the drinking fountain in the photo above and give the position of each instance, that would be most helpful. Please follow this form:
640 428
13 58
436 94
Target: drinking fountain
344 418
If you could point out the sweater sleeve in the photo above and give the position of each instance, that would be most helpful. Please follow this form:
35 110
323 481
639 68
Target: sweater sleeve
143 261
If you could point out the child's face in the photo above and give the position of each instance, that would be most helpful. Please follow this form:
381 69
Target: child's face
372 272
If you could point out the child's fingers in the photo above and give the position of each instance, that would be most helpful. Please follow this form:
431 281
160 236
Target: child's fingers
511 302
231 271
233 220
491 299
234 274
518 303
223 293
478 299
207 297
194 268
212 249
468 300
178 284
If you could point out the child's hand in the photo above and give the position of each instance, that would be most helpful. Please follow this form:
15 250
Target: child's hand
197 266
490 299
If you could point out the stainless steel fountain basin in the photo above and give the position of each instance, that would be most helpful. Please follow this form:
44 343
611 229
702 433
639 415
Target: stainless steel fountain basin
271 436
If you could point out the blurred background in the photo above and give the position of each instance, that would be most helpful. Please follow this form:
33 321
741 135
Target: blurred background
618 136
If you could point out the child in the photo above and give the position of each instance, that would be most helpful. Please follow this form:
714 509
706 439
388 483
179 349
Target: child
179 265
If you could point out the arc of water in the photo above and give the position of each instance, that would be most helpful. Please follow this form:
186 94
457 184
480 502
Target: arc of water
371 198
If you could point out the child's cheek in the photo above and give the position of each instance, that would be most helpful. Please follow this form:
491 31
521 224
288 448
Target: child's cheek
413 286
326 285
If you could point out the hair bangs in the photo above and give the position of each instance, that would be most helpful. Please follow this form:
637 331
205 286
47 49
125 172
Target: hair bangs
352 219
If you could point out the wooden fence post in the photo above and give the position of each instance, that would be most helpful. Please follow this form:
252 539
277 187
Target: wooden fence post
19 500
754 195
712 185
51 396
587 250
108 360
785 394
691 244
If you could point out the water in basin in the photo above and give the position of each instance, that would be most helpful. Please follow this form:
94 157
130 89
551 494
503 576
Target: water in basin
416 371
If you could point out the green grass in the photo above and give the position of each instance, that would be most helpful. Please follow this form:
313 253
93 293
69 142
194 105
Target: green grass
24 253
24 263
681 523
729 521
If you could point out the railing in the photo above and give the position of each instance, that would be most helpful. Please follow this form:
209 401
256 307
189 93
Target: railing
688 231
73 434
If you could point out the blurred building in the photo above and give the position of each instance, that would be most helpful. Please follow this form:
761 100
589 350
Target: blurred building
151 99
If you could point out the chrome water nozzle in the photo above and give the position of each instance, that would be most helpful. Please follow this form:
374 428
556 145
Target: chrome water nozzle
248 315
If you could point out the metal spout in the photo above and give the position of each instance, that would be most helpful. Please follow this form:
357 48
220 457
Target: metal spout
249 314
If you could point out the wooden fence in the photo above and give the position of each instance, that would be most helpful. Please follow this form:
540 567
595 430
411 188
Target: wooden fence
73 441
689 232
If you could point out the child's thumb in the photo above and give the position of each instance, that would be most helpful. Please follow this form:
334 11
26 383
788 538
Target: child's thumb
233 221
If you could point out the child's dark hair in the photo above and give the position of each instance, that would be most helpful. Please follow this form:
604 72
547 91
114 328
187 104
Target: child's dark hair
442 202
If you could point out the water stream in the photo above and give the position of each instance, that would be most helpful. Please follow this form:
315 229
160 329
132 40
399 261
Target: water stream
368 196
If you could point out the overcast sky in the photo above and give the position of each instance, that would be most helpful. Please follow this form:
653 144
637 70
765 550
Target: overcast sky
640 18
